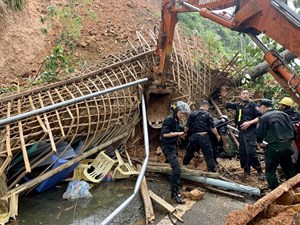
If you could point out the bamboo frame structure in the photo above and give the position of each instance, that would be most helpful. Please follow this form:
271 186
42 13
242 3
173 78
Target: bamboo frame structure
89 119
98 119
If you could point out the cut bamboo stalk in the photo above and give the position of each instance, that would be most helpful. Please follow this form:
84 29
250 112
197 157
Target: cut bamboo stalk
149 212
216 107
180 47
235 141
88 127
98 116
38 116
57 115
13 205
8 147
71 116
48 126
24 151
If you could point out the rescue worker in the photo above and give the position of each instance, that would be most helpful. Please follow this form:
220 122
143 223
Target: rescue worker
276 128
169 135
222 149
200 123
285 105
246 118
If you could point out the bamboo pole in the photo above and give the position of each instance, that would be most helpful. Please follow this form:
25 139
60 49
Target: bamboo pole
149 212
22 141
234 139
166 168
8 144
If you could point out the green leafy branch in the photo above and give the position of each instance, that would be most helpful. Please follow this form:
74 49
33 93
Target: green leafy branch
67 20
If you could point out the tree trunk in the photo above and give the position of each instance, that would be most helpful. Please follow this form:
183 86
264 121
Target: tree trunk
263 67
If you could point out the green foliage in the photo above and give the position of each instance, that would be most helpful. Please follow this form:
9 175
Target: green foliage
296 3
219 38
43 30
56 63
227 43
68 20
7 89
92 14
15 4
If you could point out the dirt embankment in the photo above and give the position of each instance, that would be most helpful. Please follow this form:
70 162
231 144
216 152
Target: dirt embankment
23 47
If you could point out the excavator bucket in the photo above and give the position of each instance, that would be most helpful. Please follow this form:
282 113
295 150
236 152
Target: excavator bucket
158 105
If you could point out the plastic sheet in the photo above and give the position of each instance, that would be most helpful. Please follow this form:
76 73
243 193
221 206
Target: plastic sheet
77 189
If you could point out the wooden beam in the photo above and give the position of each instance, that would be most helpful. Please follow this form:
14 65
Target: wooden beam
165 204
149 212
251 211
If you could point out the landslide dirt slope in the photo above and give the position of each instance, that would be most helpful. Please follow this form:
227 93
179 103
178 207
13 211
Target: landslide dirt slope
23 47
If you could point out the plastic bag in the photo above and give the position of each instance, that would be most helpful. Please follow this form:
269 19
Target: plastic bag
77 189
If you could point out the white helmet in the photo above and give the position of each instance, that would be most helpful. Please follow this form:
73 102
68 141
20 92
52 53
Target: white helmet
224 117
182 107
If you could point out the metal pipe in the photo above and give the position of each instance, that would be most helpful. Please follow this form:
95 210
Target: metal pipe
258 43
68 102
225 184
233 128
190 6
118 210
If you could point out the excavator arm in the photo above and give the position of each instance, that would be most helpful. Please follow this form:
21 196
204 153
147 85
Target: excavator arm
253 17
159 92
169 12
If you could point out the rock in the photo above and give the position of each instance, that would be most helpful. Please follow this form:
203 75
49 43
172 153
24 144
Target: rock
158 151
196 194
83 44
131 5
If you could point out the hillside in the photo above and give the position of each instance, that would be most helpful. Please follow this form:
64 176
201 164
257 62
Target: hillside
23 47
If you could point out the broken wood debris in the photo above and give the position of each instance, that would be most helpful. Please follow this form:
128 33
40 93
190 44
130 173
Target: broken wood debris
283 194
149 212
165 204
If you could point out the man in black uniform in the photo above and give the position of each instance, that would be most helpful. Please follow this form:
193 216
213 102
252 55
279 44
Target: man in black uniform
276 128
200 123
286 105
169 136
223 148
246 118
